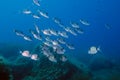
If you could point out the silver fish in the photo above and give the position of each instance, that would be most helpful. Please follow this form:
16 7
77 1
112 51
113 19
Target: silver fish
60 50
70 30
28 38
62 41
19 33
37 29
54 42
67 29
52 59
63 34
48 39
46 32
47 53
74 25
36 36
61 25
70 46
44 14
56 20
47 44
78 30
84 22
63 59
45 47
73 32
36 16
27 11
55 33
55 47
37 2
94 50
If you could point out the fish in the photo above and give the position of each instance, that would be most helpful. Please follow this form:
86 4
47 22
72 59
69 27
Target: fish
44 14
70 46
47 53
18 33
45 48
78 30
61 40
52 59
34 57
57 20
63 59
63 34
47 44
36 16
25 53
73 32
84 22
74 25
55 33
35 35
36 2
48 39
37 29
70 30
61 25
54 42
67 29
93 50
60 50
55 47
27 11
46 32
27 38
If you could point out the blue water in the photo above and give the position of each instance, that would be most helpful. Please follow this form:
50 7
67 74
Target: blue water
96 12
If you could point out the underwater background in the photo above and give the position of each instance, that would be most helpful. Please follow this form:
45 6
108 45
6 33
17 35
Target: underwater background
104 65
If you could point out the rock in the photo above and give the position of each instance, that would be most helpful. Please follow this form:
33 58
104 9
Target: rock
5 71
99 63
47 70
43 69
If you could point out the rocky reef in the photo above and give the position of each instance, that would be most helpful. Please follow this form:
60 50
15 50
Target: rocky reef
43 69
23 68
5 71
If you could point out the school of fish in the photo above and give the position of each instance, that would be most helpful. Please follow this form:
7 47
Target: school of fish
59 43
